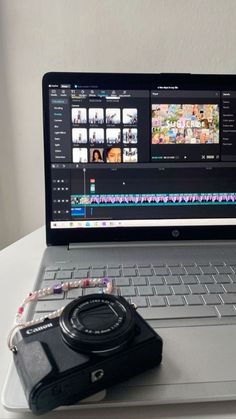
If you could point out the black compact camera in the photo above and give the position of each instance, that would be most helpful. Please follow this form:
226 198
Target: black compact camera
99 340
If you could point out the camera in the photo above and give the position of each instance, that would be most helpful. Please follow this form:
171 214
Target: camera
98 341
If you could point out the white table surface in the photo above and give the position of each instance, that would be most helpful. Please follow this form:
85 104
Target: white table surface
18 265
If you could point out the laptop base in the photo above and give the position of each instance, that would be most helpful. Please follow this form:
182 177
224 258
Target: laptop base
190 372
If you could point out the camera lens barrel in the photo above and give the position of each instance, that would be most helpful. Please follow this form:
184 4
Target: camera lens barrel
98 323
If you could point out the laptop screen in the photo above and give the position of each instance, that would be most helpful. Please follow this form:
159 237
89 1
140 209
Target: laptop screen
134 151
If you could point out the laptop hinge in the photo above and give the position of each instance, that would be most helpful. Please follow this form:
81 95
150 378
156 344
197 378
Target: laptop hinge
94 245
105 245
85 245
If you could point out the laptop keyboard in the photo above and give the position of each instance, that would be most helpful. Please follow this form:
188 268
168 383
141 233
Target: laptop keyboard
163 291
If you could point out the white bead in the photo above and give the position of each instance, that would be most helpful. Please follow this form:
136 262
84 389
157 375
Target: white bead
65 286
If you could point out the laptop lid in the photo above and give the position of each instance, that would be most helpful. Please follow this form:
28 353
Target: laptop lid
139 156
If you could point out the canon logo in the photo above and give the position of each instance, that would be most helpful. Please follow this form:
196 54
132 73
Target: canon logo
39 328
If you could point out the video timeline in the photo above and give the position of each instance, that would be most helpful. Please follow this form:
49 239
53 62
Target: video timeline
135 200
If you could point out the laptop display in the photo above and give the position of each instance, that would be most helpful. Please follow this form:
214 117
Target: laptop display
153 153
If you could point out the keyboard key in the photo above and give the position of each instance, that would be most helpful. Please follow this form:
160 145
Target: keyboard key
97 273
206 279
189 279
193 270
67 267
177 271
224 269
63 275
185 312
163 290
228 298
171 264
80 273
226 310
139 280
49 284
145 290
180 289
161 265
122 282
231 262
175 300
173 280
127 291
215 288
49 275
48 306
211 299
74 293
222 279
156 280
113 272
127 299
161 271
217 263
145 271
129 271
139 301
202 262
208 270
197 289
52 268
233 277
156 301
194 300
53 297
92 290
230 287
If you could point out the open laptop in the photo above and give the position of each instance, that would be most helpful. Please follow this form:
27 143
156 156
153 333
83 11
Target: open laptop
140 176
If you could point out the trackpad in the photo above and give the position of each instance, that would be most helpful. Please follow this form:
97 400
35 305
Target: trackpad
194 355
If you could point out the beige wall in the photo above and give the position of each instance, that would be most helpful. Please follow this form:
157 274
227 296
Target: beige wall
37 36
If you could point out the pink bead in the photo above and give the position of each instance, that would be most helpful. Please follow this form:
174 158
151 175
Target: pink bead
85 283
20 310
33 297
109 288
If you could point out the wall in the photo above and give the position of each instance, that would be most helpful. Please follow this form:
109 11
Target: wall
37 36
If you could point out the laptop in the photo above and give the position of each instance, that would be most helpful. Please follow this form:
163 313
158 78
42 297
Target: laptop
140 174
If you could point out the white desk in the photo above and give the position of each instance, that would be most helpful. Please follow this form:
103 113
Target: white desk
19 262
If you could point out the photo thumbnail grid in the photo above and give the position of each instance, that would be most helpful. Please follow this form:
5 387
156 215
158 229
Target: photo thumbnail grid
105 135
185 124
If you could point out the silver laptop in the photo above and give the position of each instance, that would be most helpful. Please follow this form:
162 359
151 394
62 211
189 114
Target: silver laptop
140 176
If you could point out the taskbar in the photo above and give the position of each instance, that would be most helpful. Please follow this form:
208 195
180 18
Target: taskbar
142 223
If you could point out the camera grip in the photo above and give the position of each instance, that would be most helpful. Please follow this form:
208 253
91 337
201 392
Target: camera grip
33 363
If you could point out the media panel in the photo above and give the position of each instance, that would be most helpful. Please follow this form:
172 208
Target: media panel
109 126
98 126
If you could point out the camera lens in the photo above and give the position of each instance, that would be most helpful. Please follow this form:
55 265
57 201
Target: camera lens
98 323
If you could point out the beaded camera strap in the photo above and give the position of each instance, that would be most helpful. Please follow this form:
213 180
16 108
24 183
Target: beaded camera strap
104 284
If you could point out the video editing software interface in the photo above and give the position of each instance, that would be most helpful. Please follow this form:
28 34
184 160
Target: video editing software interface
138 157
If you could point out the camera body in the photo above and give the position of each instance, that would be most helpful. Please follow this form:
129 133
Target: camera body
99 340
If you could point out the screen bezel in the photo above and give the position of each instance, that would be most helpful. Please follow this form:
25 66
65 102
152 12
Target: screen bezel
129 81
